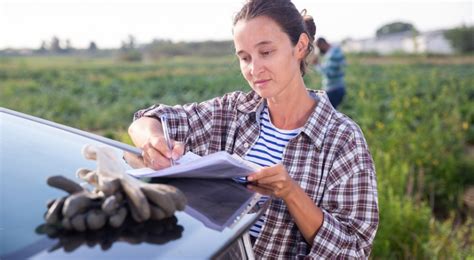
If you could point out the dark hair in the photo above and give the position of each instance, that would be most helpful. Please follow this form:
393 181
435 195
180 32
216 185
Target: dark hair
285 14
321 40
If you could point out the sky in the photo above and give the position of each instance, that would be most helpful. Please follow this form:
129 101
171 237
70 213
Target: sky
26 23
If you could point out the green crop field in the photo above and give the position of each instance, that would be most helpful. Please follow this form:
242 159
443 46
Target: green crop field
416 113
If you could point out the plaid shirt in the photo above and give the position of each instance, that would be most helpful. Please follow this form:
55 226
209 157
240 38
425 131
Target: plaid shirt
329 159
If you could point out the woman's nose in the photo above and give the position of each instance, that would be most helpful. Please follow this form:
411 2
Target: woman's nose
256 67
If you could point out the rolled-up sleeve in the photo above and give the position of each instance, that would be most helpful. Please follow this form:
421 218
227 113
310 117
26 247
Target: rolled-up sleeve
178 118
350 205
190 124
193 123
350 219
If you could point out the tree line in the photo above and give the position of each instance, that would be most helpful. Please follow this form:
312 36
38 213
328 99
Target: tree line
461 39
56 45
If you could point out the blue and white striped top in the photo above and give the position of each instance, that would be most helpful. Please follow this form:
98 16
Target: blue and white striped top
268 151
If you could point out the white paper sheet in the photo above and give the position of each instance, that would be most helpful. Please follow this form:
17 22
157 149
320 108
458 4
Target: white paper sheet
216 165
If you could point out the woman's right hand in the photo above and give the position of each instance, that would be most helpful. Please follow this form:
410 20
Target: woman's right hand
156 153
147 134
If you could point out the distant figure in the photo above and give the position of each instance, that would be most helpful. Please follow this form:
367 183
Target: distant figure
331 68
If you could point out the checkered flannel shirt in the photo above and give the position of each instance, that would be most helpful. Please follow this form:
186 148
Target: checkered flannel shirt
329 159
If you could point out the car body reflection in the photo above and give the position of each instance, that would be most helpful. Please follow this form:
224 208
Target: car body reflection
32 149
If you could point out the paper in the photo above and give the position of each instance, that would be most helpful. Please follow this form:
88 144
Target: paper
216 165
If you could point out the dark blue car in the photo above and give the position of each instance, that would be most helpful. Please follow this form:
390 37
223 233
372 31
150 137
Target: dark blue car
218 214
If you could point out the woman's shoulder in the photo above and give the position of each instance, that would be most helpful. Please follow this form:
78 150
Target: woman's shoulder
327 126
335 120
342 121
345 127
347 141
352 142
241 96
244 101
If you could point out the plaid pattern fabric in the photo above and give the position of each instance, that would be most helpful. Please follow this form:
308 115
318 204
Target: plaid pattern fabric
329 159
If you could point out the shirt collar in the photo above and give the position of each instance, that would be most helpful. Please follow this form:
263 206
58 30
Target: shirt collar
317 124
252 103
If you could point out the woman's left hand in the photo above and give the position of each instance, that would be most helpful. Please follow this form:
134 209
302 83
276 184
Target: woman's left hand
273 180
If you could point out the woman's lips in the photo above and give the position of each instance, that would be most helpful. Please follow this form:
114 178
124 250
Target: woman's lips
261 83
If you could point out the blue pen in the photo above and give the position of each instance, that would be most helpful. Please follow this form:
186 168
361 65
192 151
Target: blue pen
166 132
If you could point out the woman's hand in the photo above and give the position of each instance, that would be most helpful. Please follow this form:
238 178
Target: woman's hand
157 155
147 134
273 181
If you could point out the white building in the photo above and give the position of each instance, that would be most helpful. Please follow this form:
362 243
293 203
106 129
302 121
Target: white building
405 42
434 42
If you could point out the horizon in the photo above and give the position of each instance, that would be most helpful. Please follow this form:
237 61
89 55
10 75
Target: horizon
26 23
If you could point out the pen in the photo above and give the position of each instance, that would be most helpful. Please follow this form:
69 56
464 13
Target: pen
166 132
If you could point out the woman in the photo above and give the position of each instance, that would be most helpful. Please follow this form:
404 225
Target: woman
318 169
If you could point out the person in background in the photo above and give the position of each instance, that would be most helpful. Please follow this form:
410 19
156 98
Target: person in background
317 169
331 67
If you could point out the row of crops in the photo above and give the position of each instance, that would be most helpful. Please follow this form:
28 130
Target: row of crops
418 119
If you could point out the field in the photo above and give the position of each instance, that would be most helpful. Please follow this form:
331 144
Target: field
417 114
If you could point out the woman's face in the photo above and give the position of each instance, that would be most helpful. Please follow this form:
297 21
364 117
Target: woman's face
268 60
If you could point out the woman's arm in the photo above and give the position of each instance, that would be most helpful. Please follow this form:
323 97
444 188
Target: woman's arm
307 216
201 126
275 181
345 223
143 128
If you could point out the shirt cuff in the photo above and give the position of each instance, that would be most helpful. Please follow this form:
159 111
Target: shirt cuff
331 238
177 119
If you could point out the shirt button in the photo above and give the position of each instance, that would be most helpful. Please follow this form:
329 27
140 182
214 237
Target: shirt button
246 145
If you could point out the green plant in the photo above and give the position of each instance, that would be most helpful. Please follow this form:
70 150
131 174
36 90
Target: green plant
417 119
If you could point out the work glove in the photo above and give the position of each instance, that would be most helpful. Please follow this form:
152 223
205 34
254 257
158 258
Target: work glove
114 196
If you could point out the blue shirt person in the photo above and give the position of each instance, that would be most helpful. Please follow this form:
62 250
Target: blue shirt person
331 68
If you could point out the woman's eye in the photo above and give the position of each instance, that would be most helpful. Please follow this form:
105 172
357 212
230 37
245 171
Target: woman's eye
266 53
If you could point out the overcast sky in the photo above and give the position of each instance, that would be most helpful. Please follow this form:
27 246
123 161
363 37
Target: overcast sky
25 23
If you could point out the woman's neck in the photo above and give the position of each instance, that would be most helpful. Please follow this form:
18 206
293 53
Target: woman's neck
293 110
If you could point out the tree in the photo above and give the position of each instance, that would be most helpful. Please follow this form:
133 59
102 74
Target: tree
395 27
129 44
92 46
131 41
461 38
56 44
43 48
128 52
68 46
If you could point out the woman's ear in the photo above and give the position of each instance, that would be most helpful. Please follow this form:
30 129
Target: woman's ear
302 46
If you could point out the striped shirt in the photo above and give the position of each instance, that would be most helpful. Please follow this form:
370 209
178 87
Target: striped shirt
268 151
329 160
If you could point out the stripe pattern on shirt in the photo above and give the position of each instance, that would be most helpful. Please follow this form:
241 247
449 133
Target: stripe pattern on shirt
268 151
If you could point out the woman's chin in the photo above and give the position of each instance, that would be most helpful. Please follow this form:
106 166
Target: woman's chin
264 93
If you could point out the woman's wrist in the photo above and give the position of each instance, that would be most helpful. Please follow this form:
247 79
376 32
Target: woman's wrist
293 193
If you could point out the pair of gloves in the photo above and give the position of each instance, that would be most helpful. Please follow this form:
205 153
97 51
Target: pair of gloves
115 196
